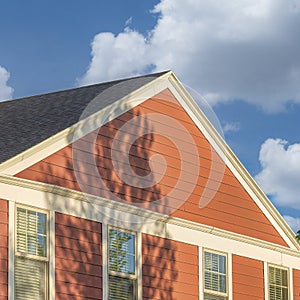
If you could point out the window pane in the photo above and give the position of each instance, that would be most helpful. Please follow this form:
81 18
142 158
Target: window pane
208 261
284 278
215 273
121 252
30 279
21 230
278 287
121 288
42 222
285 294
41 246
215 262
31 232
208 281
215 282
277 276
130 264
222 264
222 284
31 244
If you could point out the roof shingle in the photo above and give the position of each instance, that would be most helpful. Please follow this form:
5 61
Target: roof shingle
28 121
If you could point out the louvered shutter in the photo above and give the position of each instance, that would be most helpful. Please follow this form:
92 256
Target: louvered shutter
31 255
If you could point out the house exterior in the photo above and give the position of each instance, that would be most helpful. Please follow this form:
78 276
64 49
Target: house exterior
125 190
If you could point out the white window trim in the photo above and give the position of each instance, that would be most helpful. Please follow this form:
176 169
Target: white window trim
12 247
200 272
289 279
11 250
105 258
291 283
51 262
105 261
228 280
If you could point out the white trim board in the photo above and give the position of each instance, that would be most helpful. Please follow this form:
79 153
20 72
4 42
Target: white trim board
97 209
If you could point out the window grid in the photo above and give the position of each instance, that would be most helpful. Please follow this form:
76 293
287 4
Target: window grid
31 254
215 275
31 233
122 274
278 283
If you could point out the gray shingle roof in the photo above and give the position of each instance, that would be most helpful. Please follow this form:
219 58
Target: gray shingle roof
28 121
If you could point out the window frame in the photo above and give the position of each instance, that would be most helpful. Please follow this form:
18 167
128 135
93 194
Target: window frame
27 256
268 278
134 277
215 293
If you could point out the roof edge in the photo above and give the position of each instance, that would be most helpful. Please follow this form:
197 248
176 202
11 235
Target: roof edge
158 74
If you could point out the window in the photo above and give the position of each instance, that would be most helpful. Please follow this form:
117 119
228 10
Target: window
215 276
122 274
278 283
31 255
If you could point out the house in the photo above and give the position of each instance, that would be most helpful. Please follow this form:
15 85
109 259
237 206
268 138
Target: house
125 190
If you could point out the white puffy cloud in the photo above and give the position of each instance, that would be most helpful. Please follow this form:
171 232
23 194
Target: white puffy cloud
293 222
238 49
280 175
116 56
6 91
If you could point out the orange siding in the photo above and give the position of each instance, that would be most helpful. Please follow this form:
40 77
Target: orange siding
296 281
231 207
170 269
78 258
247 278
3 249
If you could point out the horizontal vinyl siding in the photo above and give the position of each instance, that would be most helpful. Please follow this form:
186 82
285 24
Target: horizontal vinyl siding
231 204
170 269
78 258
296 282
247 278
3 249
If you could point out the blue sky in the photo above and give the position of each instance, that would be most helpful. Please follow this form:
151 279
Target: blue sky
242 56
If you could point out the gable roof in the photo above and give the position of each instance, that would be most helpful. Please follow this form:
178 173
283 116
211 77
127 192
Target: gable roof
39 126
28 121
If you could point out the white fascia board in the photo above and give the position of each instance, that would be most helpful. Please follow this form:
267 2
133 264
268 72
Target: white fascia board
53 198
82 127
232 162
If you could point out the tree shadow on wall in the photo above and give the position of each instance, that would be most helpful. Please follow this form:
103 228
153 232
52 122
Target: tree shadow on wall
88 167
